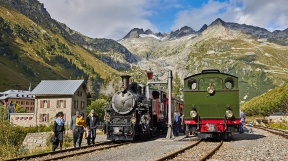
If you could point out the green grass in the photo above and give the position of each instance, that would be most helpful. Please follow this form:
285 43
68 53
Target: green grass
279 125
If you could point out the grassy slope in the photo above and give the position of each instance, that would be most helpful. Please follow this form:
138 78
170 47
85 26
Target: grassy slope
260 66
40 40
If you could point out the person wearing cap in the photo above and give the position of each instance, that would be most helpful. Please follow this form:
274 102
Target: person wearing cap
78 131
91 122
58 130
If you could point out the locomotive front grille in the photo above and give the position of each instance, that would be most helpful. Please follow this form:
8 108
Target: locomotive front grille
120 121
121 130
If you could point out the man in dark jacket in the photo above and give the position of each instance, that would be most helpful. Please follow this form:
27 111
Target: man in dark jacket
91 122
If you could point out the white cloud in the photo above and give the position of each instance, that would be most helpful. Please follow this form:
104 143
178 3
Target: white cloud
197 17
268 14
115 18
101 18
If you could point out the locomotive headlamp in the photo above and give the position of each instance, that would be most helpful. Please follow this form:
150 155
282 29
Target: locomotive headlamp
229 113
210 89
193 113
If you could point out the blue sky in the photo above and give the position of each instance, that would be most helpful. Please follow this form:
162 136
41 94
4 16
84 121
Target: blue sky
115 18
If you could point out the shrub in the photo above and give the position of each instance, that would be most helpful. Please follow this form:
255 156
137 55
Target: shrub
12 137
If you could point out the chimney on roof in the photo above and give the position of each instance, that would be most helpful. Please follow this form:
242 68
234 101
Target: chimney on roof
30 88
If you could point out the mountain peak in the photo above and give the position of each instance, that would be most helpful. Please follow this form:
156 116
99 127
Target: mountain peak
148 32
204 27
134 33
218 21
182 32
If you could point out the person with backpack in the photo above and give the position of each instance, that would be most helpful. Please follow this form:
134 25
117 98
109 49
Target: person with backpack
58 130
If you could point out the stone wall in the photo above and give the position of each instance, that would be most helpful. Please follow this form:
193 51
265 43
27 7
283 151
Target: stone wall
35 141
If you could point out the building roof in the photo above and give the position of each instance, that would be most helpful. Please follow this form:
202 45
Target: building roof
57 87
12 93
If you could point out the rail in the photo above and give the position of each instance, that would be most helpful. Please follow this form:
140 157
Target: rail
69 152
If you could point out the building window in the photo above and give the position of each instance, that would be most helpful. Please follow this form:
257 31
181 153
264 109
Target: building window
16 118
21 118
82 104
77 93
30 118
31 109
27 103
75 103
32 103
22 102
43 117
61 103
81 93
45 103
27 108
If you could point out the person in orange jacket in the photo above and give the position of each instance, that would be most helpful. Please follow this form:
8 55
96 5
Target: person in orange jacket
78 131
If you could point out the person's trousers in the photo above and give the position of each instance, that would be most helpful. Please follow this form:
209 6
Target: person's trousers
59 136
241 127
176 128
91 137
78 135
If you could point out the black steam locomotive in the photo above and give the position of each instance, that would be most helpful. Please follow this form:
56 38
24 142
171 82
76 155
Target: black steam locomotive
137 112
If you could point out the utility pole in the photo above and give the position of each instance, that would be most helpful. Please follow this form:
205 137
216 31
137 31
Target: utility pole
170 127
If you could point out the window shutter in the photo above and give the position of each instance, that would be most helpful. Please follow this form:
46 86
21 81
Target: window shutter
64 116
41 103
58 104
64 103
40 117
47 117
48 104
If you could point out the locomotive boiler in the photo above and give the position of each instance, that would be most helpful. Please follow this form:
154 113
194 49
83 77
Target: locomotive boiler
135 113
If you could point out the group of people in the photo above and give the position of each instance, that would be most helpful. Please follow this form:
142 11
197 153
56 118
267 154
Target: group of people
78 125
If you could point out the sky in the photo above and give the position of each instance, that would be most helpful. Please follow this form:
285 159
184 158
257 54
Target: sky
113 19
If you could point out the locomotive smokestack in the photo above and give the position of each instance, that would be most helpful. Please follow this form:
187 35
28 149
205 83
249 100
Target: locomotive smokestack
125 80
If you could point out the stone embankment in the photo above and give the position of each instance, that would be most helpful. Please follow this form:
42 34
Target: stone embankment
35 141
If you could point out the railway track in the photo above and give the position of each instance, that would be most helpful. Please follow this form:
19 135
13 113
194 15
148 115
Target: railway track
199 151
69 152
274 131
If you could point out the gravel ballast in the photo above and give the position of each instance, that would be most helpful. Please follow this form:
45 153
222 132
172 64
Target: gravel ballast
255 145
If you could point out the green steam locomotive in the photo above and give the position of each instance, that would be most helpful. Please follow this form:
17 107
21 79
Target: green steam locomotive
211 104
